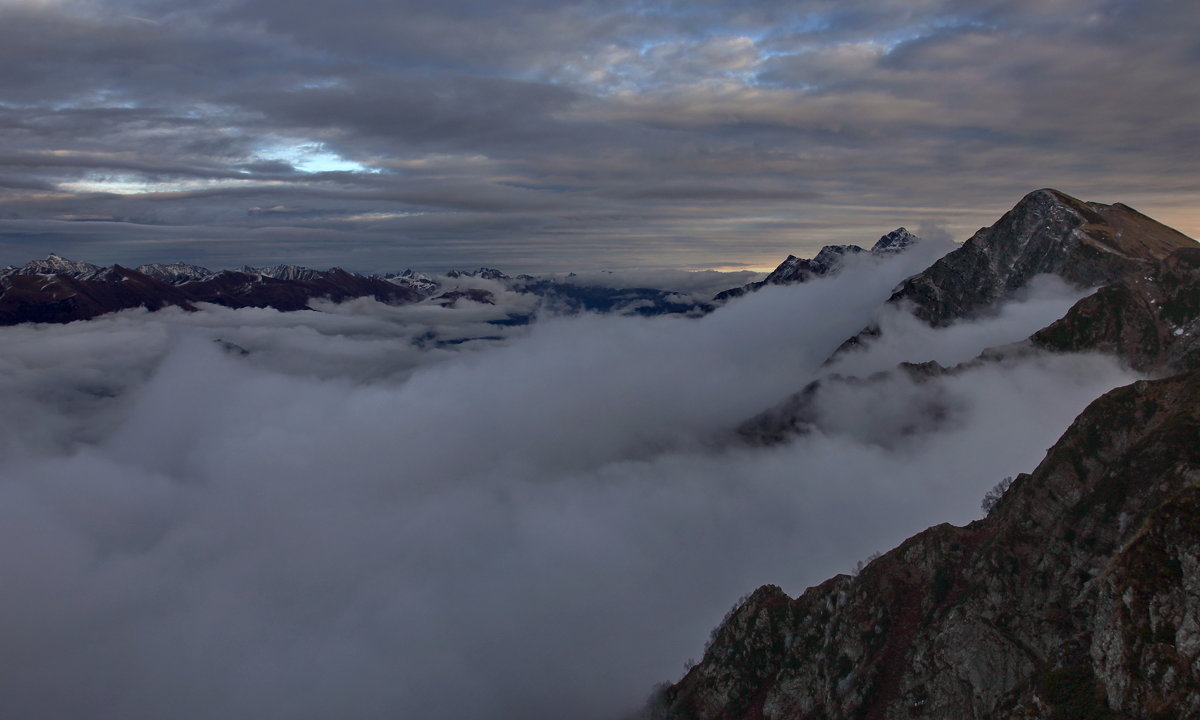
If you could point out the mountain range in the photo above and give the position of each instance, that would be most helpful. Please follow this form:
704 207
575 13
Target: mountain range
1077 596
827 261
58 290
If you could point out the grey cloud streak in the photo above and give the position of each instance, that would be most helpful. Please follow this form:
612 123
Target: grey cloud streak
565 135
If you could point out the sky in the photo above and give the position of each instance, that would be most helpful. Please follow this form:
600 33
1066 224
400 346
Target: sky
541 136
344 523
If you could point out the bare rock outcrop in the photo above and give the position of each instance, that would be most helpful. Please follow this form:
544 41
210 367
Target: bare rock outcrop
1077 597
1086 244
828 261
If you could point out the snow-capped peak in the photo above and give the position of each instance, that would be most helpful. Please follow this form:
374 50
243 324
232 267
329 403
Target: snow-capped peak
894 242
483 272
176 272
409 278
55 264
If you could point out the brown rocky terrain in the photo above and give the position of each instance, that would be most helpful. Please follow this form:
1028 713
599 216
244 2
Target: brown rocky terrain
1149 319
1086 244
1048 232
1146 311
60 298
1078 596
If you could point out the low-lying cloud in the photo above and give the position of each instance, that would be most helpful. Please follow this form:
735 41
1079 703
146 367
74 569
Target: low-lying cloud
543 525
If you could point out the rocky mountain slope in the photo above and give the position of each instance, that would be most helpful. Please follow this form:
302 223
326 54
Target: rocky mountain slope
176 272
1048 232
1086 244
55 264
61 297
287 288
59 290
1078 596
72 290
828 261
1149 319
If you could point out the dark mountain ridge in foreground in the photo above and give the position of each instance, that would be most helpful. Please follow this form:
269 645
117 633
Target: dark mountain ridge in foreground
1078 596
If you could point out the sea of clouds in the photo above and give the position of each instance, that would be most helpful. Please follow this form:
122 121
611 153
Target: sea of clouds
359 519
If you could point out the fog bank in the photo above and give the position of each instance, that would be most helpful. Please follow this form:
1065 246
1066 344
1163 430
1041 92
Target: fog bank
345 522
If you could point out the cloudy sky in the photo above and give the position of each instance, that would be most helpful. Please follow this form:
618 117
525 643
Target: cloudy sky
539 135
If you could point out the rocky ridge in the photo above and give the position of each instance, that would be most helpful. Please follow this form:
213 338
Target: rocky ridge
1086 244
55 264
1048 232
1145 313
828 261
417 281
176 272
66 297
58 290
1077 597
288 289
73 290
1150 319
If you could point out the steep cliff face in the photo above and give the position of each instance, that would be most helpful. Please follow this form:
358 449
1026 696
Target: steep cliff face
1078 597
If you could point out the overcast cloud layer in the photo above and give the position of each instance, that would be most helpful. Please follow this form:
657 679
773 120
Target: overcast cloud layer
537 135
340 524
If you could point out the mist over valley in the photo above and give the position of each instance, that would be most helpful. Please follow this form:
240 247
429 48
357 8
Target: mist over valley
316 512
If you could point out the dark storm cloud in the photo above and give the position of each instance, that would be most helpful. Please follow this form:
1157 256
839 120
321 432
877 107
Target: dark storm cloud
560 130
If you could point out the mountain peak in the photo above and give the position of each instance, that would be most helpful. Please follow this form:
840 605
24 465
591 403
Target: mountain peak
1048 231
484 273
827 261
894 242
55 264
176 272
